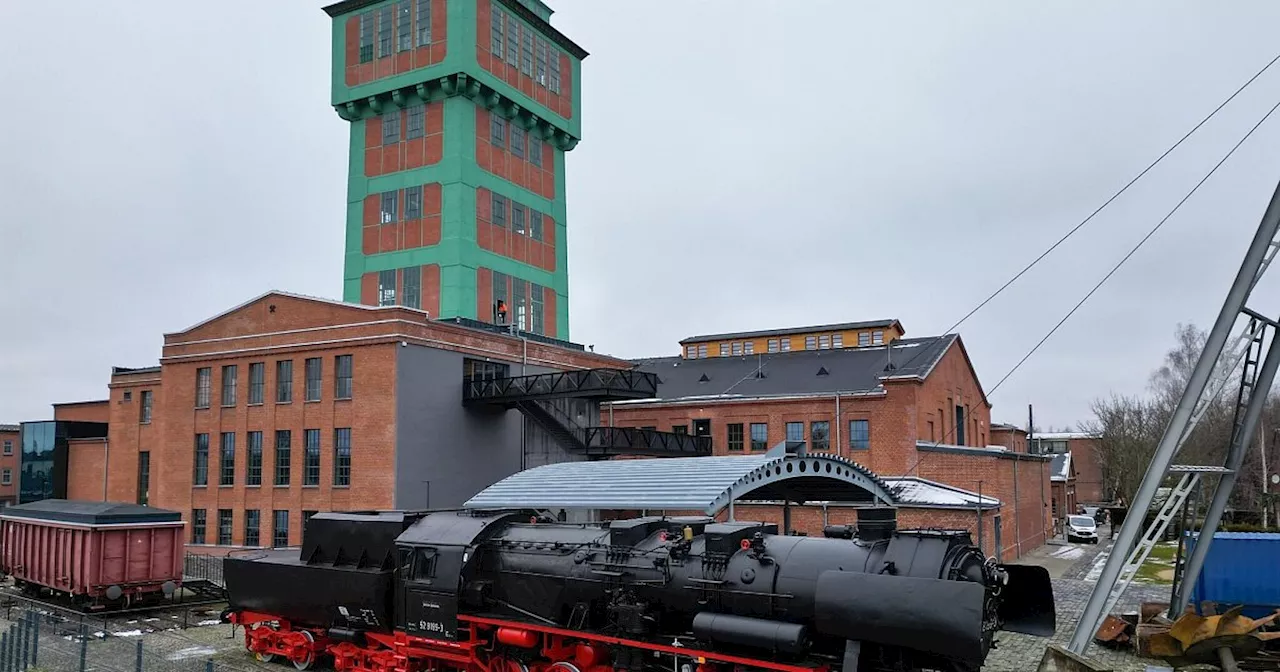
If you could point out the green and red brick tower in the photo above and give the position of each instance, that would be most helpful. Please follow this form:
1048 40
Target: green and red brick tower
461 113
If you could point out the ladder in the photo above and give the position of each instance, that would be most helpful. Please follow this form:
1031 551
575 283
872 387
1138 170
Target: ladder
1172 505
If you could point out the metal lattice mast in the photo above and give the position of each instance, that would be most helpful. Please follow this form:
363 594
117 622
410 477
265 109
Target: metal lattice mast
1264 240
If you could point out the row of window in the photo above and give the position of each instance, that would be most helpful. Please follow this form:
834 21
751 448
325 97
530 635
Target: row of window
736 434
815 342
513 137
252 526
284 381
410 294
523 47
144 406
398 27
528 302
282 465
525 221
415 124
389 208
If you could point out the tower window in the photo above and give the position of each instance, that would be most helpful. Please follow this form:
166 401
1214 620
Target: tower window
526 53
495 39
535 150
498 131
412 287
517 140
499 214
541 76
404 32
554 84
413 203
535 225
517 218
424 22
391 127
366 36
539 324
513 42
385 19
387 288
389 203
417 116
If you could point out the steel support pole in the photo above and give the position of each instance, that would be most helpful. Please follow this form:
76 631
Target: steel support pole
1235 459
1165 451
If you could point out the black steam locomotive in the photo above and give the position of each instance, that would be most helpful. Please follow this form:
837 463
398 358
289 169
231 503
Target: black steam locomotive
515 591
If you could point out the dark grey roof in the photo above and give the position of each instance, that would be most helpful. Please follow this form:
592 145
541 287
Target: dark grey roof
790 331
121 370
795 372
90 513
10 428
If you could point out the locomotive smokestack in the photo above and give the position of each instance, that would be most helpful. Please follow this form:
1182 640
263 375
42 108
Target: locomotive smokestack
877 523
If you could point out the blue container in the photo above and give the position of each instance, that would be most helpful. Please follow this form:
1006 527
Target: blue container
1241 568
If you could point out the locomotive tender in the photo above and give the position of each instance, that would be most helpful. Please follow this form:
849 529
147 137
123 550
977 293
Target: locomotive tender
517 591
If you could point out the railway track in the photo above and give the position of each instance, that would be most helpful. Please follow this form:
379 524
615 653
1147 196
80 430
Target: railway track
204 598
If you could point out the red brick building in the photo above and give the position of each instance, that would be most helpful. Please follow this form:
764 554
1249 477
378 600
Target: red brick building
1086 459
1065 495
290 405
10 451
901 407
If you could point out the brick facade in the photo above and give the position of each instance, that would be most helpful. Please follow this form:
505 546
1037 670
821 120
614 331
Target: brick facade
10 452
82 411
1085 456
553 88
379 44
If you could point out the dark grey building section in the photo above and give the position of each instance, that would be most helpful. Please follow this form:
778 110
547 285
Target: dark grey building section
445 452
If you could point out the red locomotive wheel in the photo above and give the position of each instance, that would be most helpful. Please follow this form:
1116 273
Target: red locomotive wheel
304 661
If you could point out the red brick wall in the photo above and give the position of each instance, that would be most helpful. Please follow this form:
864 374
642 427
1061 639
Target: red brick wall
952 384
1088 465
10 461
84 411
129 436
500 161
402 234
86 459
561 103
1010 437
429 282
406 153
398 61
501 237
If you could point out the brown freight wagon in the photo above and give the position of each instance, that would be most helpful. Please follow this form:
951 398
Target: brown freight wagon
96 553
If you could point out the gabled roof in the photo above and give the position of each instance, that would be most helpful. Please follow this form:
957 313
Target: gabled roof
792 331
803 372
291 295
1060 468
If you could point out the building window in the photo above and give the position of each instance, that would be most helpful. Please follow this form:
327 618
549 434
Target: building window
786 344
795 431
252 527
554 84
390 130
773 345
759 436
8 447
253 447
500 284
535 150
680 429
837 340
144 407
342 376
424 22
691 352
280 528
540 75
387 288
517 218
6 477
702 351
227 460
520 289
342 457
284 381
388 205
366 37
749 348
229 375
284 462
960 426
404 27
224 526
417 118
495 35
737 349
197 526
257 382
475 369
735 436
499 213
413 203
536 295
411 297
877 337
517 141
810 342
201 473
144 476
859 434
497 130
313 365
311 458
526 52
385 17
204 387
824 342
724 349
820 435
864 339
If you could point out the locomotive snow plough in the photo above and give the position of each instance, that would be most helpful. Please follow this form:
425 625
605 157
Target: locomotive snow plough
517 591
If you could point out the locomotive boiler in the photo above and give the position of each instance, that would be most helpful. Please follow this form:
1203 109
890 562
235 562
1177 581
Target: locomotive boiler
514 591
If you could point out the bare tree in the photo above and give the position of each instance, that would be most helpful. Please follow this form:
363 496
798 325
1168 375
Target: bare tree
1128 431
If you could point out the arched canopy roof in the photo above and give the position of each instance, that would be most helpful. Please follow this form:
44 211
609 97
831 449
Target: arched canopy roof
707 484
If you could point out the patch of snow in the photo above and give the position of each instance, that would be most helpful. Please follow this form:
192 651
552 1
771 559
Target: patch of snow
1095 571
213 621
128 633
1068 552
191 652
918 491
151 620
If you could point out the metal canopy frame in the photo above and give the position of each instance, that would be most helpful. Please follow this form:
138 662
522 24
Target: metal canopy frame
708 484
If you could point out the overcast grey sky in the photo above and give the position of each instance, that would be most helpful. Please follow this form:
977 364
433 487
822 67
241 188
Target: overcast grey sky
744 165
